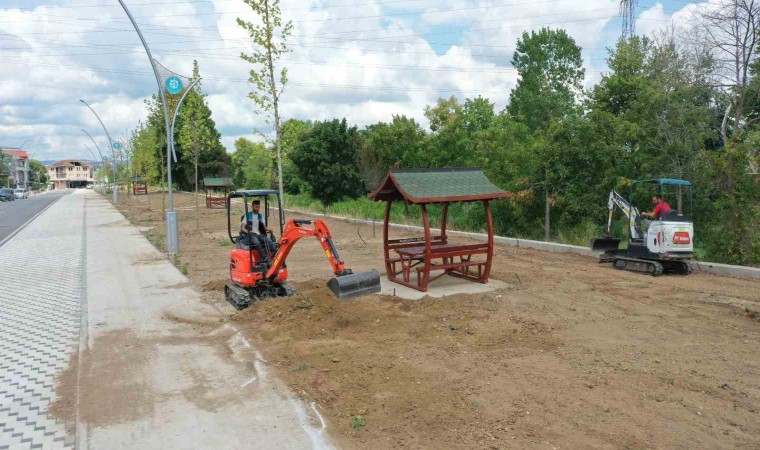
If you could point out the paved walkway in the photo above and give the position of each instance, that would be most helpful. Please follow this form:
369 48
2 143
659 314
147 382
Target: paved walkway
40 317
103 328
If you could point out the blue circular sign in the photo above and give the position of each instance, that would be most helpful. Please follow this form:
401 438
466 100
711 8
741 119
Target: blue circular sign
174 85
116 145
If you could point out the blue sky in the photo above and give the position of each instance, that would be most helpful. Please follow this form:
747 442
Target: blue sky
361 59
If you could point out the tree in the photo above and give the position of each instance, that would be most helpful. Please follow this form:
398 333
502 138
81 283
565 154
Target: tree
251 164
38 174
550 70
326 158
400 143
732 32
197 134
269 39
549 65
293 131
5 167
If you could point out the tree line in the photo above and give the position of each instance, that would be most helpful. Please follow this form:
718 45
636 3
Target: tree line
673 106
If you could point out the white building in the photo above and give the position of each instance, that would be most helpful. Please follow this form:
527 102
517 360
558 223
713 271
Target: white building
70 173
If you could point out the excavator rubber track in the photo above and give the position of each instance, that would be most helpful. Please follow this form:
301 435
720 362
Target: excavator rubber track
648 267
241 298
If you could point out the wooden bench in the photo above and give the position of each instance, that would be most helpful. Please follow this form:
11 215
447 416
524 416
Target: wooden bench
411 257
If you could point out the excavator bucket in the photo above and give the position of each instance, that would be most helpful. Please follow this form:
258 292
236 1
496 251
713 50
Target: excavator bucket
354 285
605 244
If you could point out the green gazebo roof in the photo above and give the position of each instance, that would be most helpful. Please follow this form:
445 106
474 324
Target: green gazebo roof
460 184
218 182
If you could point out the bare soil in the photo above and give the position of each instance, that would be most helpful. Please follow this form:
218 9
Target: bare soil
572 355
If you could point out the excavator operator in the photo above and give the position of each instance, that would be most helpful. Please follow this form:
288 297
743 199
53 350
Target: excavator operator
661 207
258 231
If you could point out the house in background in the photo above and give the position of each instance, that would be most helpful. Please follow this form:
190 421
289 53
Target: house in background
71 173
18 168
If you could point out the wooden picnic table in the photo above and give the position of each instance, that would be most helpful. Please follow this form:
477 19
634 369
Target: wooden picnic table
413 257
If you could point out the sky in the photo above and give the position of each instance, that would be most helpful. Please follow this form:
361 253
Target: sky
360 59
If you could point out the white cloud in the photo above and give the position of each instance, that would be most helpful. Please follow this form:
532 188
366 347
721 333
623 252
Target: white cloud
345 62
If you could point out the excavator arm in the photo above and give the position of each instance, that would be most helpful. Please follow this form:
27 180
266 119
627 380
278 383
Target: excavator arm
346 284
295 231
629 210
608 242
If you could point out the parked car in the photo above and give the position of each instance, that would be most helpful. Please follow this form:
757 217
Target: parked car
21 193
7 195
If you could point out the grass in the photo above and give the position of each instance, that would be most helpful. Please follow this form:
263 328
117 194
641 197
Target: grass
182 266
301 367
358 422
223 242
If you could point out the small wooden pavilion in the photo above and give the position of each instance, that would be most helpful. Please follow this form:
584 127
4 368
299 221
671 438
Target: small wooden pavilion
217 189
139 186
410 261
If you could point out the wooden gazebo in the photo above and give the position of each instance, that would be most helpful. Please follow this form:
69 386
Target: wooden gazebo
139 186
410 261
217 189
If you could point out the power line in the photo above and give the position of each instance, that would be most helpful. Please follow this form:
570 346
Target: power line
242 80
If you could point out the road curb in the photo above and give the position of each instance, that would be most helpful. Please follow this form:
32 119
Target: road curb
727 270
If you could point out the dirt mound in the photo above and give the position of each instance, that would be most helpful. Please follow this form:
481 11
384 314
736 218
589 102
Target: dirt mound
412 370
215 285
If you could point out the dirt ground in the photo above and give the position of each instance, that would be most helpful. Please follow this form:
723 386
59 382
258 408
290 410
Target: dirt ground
571 355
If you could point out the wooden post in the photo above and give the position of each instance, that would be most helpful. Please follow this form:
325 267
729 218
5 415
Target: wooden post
444 218
388 268
428 249
489 257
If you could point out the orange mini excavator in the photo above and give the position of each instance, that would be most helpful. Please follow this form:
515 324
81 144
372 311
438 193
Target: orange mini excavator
257 277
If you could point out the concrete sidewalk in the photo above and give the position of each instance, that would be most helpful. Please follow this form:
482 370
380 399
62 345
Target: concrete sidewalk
105 344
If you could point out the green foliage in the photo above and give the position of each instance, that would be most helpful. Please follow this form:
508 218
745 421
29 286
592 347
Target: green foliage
292 132
326 158
400 143
269 37
358 422
551 71
37 174
198 137
252 165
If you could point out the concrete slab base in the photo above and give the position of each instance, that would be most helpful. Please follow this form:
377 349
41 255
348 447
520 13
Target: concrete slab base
446 285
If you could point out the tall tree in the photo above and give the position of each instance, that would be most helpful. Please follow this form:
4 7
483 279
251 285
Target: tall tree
197 134
269 39
400 143
550 70
326 158
251 164
293 131
549 65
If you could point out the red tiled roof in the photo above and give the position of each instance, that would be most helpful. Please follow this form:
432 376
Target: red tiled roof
20 153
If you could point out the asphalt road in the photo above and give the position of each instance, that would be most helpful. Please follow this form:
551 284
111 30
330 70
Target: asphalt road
14 215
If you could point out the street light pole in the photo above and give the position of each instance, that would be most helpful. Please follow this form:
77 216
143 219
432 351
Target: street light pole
94 158
172 232
110 142
97 147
